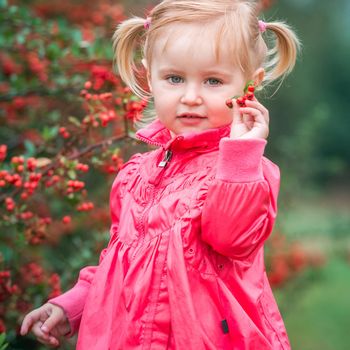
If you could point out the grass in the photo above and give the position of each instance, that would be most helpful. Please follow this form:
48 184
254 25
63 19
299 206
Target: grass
316 305
316 308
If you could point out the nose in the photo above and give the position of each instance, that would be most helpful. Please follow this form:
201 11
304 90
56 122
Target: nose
191 96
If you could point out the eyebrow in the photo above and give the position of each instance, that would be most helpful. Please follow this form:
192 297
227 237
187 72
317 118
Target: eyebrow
169 69
218 72
206 72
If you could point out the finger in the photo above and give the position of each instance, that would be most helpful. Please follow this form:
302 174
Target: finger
29 320
52 321
237 117
44 337
38 332
256 104
50 342
258 116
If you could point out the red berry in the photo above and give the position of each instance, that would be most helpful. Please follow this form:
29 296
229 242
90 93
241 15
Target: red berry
66 219
251 88
229 103
249 96
88 85
241 101
20 168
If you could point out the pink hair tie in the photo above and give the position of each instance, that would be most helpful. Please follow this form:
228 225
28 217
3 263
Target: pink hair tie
262 26
148 22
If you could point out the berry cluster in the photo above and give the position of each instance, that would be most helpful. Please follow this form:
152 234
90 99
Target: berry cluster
240 100
63 132
31 185
82 167
86 206
32 273
10 204
74 186
26 215
6 286
113 166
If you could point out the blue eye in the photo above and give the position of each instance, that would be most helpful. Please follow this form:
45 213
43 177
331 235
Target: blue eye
214 81
175 79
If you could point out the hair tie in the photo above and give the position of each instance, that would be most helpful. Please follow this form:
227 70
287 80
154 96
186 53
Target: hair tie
148 22
262 26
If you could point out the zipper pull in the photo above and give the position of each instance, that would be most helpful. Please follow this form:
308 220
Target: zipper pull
166 160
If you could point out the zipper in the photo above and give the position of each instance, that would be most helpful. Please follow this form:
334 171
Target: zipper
167 158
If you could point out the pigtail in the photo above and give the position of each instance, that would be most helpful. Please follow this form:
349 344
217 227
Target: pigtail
128 36
281 58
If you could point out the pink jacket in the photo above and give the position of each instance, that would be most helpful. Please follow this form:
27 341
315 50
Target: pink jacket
184 268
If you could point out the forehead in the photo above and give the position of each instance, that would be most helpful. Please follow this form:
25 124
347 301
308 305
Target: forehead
189 43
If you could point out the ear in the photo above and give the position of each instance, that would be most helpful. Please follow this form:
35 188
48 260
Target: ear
145 64
258 76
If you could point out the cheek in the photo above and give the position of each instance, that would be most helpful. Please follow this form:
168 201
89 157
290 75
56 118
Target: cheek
160 93
218 105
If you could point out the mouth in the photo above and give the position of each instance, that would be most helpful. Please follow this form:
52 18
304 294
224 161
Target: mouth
191 116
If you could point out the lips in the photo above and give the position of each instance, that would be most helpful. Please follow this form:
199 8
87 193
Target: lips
191 116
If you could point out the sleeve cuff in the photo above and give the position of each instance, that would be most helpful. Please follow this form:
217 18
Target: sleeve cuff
240 160
72 302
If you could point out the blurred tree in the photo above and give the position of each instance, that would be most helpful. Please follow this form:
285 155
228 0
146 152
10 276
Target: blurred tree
310 122
65 119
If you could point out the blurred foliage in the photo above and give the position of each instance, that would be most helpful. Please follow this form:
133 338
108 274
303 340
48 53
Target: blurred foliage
309 114
60 105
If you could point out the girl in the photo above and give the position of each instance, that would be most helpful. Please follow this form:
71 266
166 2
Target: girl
184 268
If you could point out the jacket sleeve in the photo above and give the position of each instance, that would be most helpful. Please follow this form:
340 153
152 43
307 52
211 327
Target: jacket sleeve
241 202
73 300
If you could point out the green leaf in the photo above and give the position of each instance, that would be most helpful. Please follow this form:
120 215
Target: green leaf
13 10
250 82
3 3
72 174
2 338
49 133
3 346
74 121
53 51
21 39
30 148
76 35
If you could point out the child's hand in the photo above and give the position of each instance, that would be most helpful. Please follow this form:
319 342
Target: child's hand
48 323
251 121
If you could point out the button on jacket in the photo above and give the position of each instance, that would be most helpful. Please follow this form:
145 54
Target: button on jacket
184 268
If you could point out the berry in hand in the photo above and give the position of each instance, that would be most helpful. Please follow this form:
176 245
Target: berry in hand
248 95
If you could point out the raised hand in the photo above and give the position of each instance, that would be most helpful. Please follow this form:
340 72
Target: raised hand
250 117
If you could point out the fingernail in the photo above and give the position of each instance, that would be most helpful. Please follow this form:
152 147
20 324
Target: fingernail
44 329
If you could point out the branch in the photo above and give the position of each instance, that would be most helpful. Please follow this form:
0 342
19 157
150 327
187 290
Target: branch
75 155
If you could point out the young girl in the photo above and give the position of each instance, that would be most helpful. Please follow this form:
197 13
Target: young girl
184 268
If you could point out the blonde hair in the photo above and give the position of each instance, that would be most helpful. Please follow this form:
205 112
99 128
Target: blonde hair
236 24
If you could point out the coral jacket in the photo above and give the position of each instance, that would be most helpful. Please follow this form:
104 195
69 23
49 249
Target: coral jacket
184 268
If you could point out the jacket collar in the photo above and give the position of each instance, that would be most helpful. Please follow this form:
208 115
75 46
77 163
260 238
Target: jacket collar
157 134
